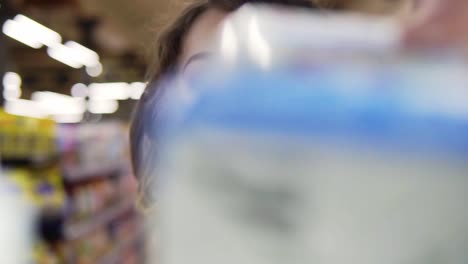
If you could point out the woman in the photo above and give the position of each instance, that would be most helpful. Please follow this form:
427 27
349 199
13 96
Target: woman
182 46
179 48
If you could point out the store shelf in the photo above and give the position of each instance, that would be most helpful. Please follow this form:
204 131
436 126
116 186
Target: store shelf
89 173
28 162
114 255
83 228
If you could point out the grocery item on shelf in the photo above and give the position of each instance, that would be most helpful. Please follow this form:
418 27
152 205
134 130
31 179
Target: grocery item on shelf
25 139
42 187
90 198
92 150
107 244
79 180
101 189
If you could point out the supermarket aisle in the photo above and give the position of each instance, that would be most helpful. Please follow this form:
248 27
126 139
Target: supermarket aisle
70 75
78 180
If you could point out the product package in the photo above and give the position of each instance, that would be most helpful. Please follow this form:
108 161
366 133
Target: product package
351 161
303 175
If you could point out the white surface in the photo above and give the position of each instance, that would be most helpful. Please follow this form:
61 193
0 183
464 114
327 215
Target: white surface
230 199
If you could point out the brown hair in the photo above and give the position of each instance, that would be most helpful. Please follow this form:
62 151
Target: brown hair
168 50
170 41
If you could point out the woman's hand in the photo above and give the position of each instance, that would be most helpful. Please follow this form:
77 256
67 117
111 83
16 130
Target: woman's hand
438 23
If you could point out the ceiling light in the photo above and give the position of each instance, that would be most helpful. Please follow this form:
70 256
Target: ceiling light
103 106
11 86
64 55
94 71
35 35
41 33
11 79
24 108
76 118
79 90
109 91
136 90
76 56
15 31
83 55
59 104
9 94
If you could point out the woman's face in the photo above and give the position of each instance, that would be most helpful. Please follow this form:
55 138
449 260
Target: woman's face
196 47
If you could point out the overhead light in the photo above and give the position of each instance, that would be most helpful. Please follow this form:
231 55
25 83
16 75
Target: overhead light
79 90
83 55
35 35
11 79
136 90
24 108
76 56
11 86
109 91
59 104
15 31
94 71
30 32
42 33
68 118
64 55
9 94
103 106
61 108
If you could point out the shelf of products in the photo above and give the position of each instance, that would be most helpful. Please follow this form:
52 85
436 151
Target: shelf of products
79 178
85 227
27 139
82 174
114 255
108 243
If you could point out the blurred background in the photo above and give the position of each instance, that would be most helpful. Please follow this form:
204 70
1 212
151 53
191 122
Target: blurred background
117 32
73 169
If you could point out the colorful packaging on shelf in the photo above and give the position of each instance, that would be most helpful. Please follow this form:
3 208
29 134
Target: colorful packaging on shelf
40 187
29 152
92 149
78 178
